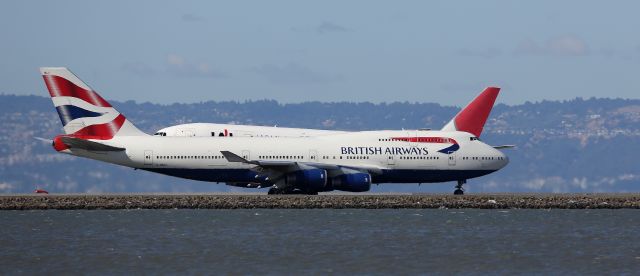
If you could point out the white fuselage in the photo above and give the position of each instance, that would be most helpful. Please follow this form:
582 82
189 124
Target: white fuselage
389 156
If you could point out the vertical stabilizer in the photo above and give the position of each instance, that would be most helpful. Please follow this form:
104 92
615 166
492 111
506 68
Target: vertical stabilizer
473 117
83 112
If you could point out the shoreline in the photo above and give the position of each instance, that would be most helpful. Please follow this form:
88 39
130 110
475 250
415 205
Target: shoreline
330 201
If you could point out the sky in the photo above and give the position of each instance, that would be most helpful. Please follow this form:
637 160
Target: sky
296 51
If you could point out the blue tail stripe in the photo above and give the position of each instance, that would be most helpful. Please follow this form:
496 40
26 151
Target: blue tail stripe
71 112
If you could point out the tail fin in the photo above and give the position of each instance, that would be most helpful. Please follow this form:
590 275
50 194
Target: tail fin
82 111
472 118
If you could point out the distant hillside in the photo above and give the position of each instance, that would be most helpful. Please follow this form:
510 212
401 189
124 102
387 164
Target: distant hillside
570 146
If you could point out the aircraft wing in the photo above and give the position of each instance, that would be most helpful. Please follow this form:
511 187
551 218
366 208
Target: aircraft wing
77 143
289 165
504 147
232 157
275 170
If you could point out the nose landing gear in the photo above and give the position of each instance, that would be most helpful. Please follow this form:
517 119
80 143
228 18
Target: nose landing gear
459 190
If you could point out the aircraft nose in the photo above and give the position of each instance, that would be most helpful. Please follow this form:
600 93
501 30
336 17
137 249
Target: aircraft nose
503 159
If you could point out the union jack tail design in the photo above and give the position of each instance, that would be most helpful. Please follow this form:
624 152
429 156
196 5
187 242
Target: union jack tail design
84 113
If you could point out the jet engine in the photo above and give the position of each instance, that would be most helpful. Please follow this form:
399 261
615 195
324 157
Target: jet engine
352 182
310 180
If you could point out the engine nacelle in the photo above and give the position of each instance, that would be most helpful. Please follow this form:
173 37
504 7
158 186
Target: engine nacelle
352 182
312 179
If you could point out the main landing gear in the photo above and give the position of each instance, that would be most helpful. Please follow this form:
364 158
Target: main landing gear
459 190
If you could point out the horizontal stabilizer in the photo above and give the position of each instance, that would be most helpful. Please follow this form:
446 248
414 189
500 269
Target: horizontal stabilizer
44 140
77 143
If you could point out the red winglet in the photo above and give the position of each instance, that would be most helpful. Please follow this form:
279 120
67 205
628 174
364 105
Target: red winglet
473 117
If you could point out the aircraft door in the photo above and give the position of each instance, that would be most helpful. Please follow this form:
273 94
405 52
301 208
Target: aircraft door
148 157
313 155
452 158
391 161
246 154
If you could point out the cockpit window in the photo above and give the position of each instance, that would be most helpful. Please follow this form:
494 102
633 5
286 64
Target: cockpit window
160 134
474 138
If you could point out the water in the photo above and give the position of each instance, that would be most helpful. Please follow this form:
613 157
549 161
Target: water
320 241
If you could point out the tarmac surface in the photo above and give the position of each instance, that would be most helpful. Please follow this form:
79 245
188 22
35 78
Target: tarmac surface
331 201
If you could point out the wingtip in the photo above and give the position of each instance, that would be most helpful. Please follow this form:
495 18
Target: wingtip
43 139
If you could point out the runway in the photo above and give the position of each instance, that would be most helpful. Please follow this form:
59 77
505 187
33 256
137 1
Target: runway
331 201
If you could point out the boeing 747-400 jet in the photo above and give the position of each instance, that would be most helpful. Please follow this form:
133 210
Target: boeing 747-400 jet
303 161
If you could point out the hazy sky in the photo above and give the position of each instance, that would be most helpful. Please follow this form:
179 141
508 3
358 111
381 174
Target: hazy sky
293 51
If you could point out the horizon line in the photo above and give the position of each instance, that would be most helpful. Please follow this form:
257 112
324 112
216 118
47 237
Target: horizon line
343 101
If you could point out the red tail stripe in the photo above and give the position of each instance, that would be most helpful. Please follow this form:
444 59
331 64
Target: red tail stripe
59 86
102 131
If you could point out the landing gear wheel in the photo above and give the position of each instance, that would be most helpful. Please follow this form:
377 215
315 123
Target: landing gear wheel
459 190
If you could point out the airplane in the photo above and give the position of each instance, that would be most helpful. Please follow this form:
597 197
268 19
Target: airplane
344 161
